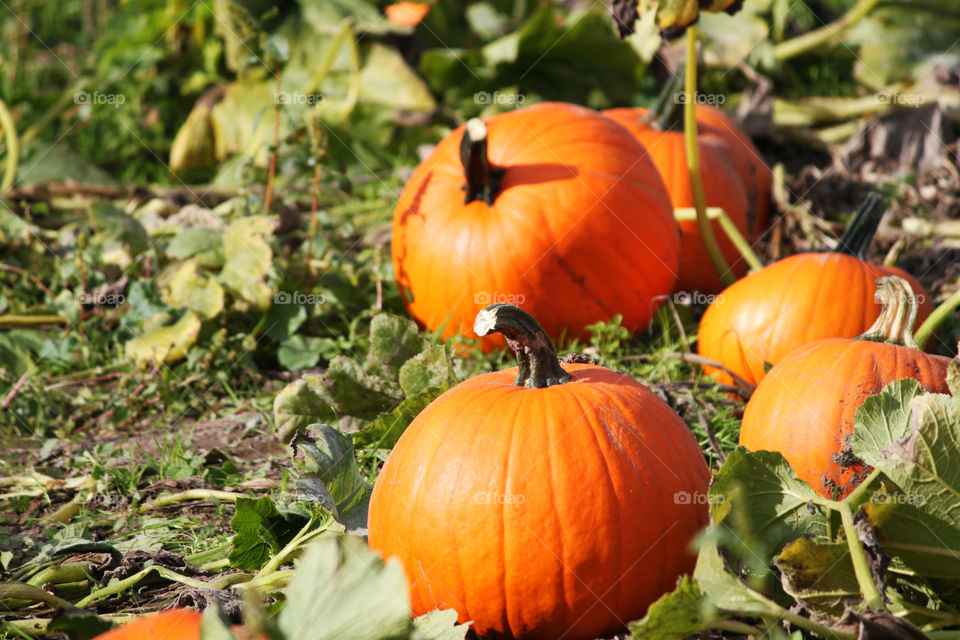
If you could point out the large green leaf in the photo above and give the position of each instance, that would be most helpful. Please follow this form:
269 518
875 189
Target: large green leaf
249 259
820 575
920 517
758 495
676 615
343 591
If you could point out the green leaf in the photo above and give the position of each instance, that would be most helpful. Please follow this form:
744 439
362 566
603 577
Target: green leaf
386 79
882 420
249 259
393 341
434 368
260 531
278 48
439 625
188 289
343 591
354 392
920 519
387 429
675 615
725 591
820 575
324 453
115 223
953 378
302 403
162 342
192 241
758 495
283 320
299 352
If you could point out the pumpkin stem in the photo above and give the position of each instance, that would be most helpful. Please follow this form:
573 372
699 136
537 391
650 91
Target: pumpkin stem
898 316
859 234
537 359
666 114
482 180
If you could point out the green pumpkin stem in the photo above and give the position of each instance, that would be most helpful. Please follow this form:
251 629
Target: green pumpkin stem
537 359
666 113
899 315
859 234
482 180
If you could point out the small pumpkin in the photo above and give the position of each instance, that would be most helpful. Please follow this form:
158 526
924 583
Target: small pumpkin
553 197
804 408
663 140
761 318
545 501
172 624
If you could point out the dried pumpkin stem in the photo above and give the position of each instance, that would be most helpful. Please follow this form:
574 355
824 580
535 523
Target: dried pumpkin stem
482 180
898 316
537 359
859 234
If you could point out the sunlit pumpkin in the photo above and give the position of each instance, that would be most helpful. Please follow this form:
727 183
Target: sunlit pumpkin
804 408
545 501
722 186
553 207
758 320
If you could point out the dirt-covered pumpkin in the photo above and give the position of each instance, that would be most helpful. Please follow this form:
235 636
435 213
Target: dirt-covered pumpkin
761 318
804 408
545 501
553 207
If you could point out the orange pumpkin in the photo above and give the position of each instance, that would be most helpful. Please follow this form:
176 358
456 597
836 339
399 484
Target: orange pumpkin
543 501
172 624
407 14
552 198
721 184
766 315
753 170
804 408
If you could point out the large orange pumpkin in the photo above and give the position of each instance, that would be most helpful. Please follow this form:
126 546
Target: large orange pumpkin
172 624
721 184
553 198
804 408
758 320
544 501
753 170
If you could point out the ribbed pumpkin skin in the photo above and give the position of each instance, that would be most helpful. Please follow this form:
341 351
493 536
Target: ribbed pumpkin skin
581 216
804 408
521 507
754 173
806 297
721 184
